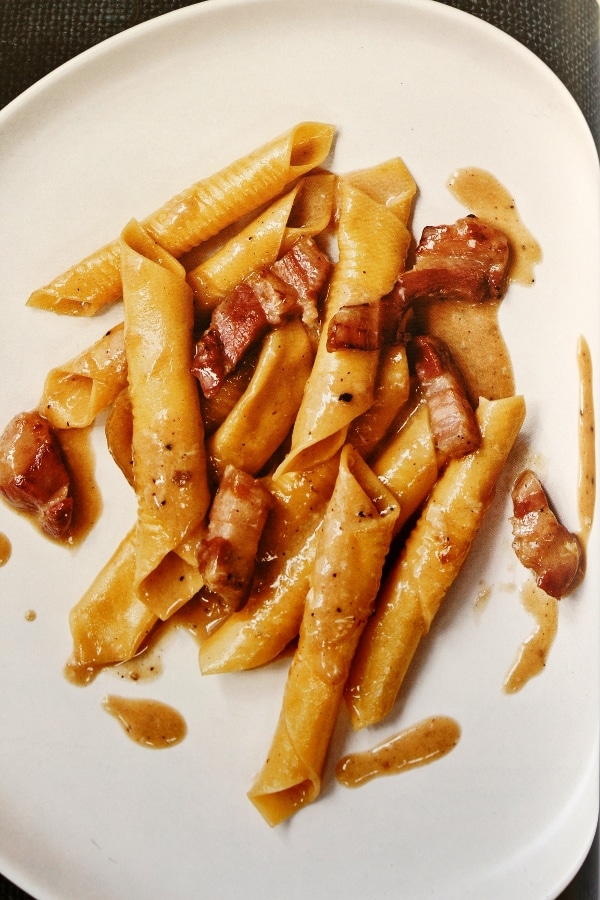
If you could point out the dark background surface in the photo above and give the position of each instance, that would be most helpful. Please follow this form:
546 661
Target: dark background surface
36 36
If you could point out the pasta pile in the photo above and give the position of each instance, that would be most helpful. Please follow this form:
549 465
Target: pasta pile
339 439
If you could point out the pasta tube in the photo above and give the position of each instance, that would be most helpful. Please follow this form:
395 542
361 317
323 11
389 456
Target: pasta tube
191 217
372 248
271 617
74 393
353 543
432 558
262 418
169 460
305 210
109 623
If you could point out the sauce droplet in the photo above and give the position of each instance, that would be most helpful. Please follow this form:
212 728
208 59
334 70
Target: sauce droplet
5 549
534 651
147 722
418 745
587 443
31 615
482 194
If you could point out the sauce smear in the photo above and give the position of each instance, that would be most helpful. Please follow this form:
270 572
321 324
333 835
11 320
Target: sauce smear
587 443
482 194
87 503
147 722
534 651
5 549
418 745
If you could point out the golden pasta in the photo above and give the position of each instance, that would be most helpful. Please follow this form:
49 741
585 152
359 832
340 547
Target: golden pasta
365 525
352 546
433 555
193 216
169 456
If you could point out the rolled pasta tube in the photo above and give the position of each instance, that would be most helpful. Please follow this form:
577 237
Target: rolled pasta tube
265 413
196 214
372 248
391 183
305 210
391 394
352 546
271 617
430 561
109 623
407 463
169 459
255 635
74 393
255 247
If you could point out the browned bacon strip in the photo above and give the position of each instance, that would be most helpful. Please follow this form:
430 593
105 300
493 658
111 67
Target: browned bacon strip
33 475
237 518
467 260
366 326
265 299
541 542
453 420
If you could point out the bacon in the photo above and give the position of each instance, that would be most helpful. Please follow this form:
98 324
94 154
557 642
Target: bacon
540 540
237 517
467 261
33 474
452 417
263 300
366 326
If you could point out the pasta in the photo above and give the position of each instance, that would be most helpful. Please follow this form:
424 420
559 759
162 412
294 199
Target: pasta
169 458
352 546
361 513
193 216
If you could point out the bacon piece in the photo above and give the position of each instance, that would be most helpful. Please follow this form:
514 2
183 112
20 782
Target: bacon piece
263 300
453 420
33 475
237 517
367 326
467 260
306 269
541 542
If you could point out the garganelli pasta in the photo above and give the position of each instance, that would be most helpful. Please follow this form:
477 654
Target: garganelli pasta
286 378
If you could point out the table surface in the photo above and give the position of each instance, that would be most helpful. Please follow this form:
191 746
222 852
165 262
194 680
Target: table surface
36 36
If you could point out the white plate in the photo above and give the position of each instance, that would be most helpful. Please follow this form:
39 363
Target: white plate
85 813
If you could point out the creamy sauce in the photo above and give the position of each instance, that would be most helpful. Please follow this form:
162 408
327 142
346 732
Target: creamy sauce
466 328
80 675
87 502
587 443
482 194
534 651
418 745
5 549
147 722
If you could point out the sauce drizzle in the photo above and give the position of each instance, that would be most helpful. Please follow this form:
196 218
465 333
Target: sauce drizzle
534 651
587 443
482 194
147 722
417 745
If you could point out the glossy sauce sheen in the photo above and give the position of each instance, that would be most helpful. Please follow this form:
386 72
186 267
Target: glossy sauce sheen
418 745
534 651
87 503
147 722
483 195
